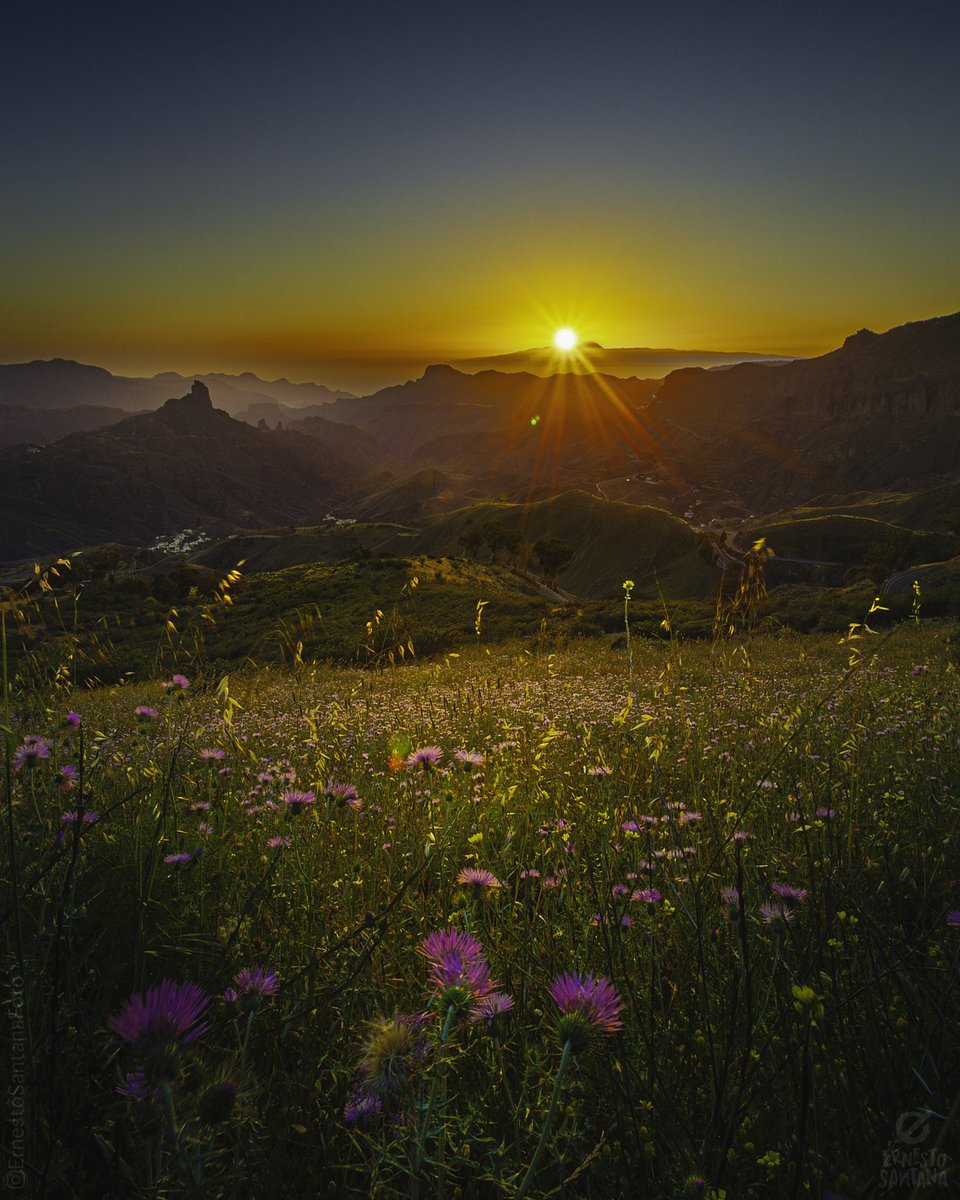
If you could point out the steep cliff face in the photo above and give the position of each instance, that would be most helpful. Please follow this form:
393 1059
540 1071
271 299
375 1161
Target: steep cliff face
881 412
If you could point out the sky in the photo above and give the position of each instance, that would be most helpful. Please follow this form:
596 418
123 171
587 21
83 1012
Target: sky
345 193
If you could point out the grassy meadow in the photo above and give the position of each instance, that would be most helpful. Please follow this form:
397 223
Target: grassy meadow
701 903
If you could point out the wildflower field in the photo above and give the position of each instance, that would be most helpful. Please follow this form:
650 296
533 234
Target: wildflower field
679 923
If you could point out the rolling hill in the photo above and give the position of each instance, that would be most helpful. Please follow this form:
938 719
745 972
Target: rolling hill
611 541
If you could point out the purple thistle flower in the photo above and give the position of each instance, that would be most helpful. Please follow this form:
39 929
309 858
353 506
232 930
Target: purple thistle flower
31 750
789 892
953 918
179 682
730 898
276 842
469 758
425 756
144 713
257 981
297 801
491 1007
459 974
826 813
67 778
343 794
177 860
170 1014
459 982
647 896
776 911
212 755
449 941
71 816
362 1106
588 1005
71 721
479 879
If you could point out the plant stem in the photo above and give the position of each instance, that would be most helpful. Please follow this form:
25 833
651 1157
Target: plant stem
548 1123
425 1119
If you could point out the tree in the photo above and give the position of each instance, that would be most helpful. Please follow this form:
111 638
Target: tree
891 555
496 536
471 540
514 546
554 556
103 562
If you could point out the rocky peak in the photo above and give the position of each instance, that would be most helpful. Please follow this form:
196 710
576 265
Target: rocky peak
863 337
196 406
440 372
196 400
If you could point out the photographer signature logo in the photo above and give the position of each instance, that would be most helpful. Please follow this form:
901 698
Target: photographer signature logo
913 1127
909 1163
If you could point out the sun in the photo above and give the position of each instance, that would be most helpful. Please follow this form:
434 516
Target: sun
565 339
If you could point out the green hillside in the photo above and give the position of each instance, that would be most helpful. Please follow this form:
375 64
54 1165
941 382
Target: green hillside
317 610
924 509
274 549
327 606
611 540
845 538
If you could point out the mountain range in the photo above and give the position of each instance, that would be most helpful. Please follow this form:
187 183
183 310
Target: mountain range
872 427
642 361
881 414
185 465
62 383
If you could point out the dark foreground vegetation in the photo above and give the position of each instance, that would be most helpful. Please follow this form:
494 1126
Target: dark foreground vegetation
678 918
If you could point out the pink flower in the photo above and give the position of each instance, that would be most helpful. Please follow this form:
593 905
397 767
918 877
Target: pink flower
588 1005
479 879
426 757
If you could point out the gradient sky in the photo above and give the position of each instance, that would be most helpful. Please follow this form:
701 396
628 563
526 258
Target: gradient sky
344 193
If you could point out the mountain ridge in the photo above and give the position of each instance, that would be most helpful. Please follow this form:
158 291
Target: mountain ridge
879 413
877 416
66 383
187 464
